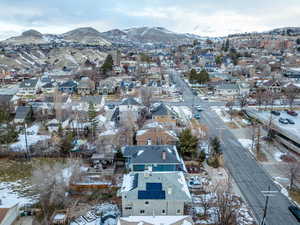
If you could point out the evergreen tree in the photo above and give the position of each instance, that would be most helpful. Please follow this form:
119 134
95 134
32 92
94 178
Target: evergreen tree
215 146
218 60
92 118
187 143
107 65
202 156
298 41
203 77
30 116
193 76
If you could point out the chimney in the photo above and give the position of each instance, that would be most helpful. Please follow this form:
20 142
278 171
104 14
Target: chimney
164 155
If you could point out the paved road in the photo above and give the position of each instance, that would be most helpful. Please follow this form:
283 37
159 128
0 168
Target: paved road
249 176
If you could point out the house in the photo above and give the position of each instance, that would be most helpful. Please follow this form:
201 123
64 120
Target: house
153 158
165 115
154 220
48 88
82 104
28 87
156 134
227 89
22 113
107 86
85 86
154 194
8 214
273 86
68 87
130 108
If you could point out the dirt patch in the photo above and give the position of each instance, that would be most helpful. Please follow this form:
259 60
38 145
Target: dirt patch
295 195
288 158
232 125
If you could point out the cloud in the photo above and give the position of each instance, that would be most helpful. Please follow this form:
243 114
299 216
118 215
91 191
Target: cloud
205 17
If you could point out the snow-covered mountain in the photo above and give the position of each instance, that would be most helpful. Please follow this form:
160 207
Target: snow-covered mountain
149 35
85 35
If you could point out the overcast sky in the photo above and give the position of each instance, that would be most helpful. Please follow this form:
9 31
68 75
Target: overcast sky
203 17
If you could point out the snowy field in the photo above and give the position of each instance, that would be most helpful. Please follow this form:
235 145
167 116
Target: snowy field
32 138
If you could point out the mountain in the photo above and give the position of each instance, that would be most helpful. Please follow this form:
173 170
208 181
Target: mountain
290 31
148 35
85 35
27 37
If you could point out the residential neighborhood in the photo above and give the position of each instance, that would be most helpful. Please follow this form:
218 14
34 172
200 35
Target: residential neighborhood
146 126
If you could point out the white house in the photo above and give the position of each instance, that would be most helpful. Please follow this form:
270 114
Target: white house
29 87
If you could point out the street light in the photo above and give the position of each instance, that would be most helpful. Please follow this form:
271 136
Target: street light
267 194
26 143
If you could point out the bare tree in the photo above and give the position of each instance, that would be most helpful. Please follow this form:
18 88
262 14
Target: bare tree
146 95
291 94
259 96
229 105
243 101
293 172
51 183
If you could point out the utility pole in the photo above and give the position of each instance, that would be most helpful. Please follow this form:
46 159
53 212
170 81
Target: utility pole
26 143
267 194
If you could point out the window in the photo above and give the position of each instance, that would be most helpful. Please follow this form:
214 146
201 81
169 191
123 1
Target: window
142 211
178 211
128 208
163 211
146 203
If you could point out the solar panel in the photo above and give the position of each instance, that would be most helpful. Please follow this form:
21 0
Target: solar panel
151 195
153 186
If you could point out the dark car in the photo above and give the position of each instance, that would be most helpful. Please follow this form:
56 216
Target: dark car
111 106
276 113
292 113
290 121
283 121
197 116
295 211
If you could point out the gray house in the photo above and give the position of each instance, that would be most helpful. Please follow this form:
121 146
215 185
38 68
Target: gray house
154 194
156 158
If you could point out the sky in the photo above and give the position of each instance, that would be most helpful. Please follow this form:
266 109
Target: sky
202 17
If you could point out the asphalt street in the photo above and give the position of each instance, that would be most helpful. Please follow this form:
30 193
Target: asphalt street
250 177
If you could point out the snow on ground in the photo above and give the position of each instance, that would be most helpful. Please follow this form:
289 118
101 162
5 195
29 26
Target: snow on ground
109 132
278 155
183 112
71 59
246 143
221 113
10 198
32 138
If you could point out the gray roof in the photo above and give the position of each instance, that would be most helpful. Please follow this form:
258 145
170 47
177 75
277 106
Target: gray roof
227 86
162 110
31 83
5 98
130 101
91 99
22 112
173 183
152 154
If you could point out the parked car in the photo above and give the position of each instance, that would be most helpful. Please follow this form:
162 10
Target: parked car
290 121
276 113
292 113
198 107
111 106
283 121
295 211
197 116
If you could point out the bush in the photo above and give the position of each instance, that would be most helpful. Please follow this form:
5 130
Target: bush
202 156
213 162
